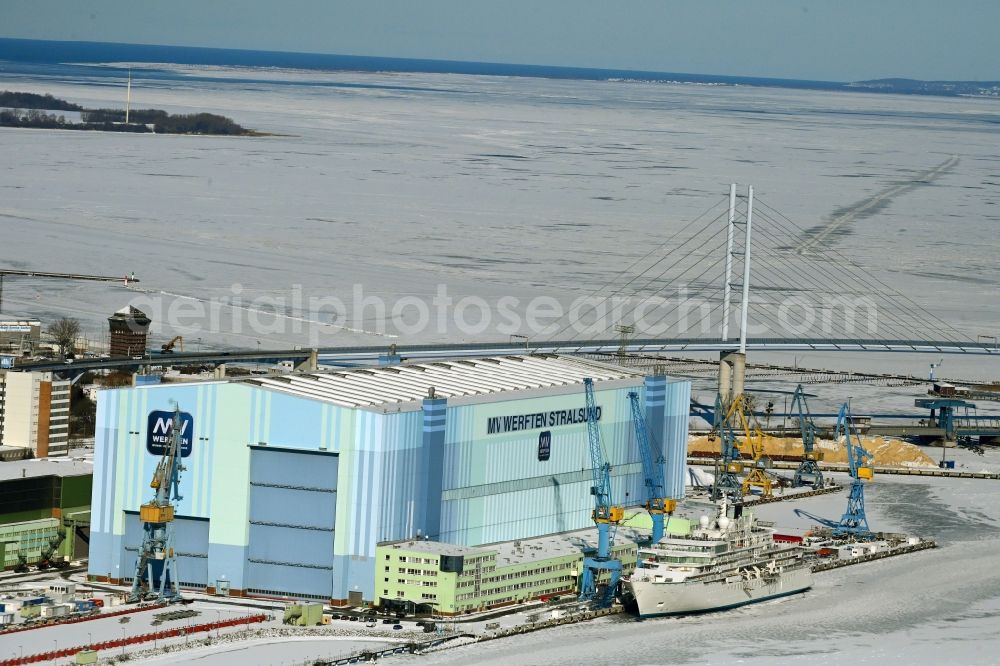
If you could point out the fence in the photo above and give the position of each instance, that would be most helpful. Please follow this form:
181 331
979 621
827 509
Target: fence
135 640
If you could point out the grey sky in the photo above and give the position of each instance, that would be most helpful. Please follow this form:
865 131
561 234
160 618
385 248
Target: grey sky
809 39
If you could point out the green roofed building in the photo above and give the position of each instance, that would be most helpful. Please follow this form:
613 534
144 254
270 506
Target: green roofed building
420 576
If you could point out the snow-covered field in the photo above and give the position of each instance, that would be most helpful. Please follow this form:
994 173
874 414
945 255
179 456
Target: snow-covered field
391 187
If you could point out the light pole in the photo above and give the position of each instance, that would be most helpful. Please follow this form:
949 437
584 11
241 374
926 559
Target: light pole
198 341
90 639
258 354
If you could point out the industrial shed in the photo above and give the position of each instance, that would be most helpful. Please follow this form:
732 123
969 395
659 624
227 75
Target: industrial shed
292 480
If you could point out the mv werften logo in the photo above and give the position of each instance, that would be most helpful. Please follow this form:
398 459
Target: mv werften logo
158 432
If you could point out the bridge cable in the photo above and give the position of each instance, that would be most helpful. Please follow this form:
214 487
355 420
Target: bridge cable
648 282
887 311
625 315
804 276
643 258
873 278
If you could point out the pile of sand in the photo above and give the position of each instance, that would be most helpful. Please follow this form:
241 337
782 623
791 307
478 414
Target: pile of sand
887 451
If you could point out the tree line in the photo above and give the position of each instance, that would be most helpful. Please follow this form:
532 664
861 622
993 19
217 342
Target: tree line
36 119
167 123
23 100
109 120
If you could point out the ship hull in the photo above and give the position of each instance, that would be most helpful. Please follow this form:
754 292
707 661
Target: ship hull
652 599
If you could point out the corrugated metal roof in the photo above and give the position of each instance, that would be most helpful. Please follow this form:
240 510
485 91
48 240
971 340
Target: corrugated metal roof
409 382
56 466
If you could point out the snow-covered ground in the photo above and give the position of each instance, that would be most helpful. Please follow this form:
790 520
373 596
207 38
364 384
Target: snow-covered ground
932 607
291 651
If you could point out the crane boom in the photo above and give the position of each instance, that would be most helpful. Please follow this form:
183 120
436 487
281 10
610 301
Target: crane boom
657 503
726 482
605 513
808 472
740 411
854 522
168 348
157 517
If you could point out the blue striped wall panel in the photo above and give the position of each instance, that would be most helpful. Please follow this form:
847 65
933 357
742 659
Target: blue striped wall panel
675 436
378 466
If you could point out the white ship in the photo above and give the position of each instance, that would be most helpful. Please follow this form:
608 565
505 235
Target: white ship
722 564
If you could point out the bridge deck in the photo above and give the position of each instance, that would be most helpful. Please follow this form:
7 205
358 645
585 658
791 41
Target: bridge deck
371 353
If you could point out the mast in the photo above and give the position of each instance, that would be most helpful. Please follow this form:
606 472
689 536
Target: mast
746 274
128 95
729 263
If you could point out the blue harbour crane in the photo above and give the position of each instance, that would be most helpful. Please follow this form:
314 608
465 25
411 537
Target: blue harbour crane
605 514
657 504
727 482
854 522
157 517
808 472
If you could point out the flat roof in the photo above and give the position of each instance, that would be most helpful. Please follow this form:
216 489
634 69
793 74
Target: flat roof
411 382
561 544
434 547
521 551
33 467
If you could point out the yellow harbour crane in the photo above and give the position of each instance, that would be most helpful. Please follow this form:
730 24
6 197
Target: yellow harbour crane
156 565
740 413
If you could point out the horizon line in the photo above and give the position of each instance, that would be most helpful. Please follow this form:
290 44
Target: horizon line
642 74
565 68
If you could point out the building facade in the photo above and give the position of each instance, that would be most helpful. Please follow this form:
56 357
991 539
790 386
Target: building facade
292 480
34 412
428 576
38 500
19 336
129 328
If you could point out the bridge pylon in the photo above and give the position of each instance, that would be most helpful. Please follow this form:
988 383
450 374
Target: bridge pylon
732 375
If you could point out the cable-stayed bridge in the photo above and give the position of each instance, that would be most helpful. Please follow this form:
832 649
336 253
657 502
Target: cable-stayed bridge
740 265
746 275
